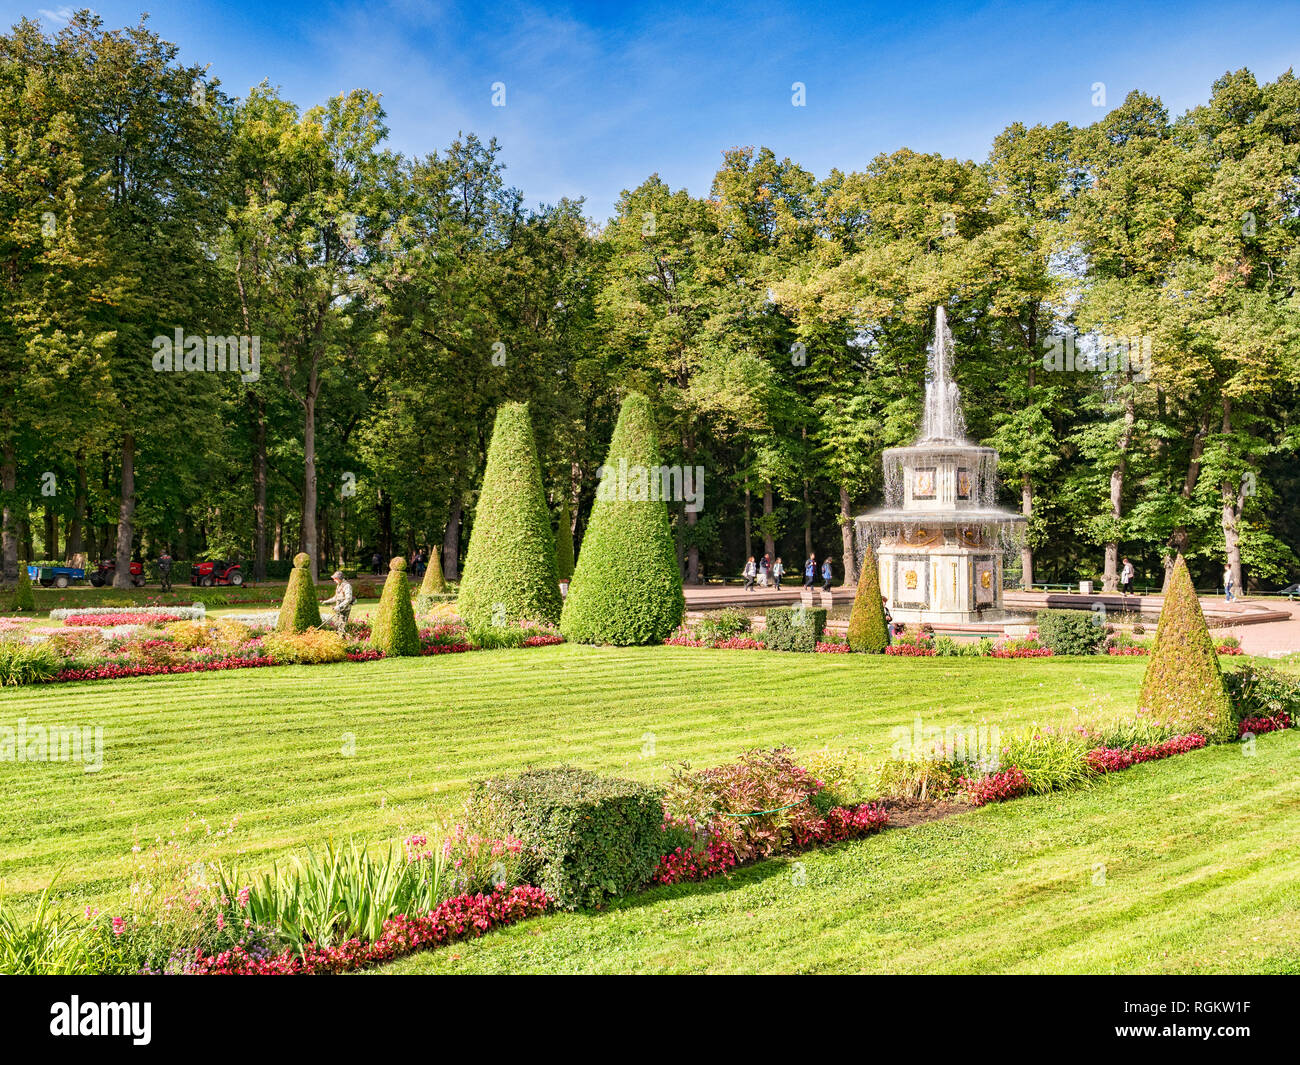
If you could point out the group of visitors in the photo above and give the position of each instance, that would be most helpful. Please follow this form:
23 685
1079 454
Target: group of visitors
764 573
417 564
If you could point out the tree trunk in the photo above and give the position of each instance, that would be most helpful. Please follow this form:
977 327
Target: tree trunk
259 488
807 521
846 538
309 494
125 514
451 543
1234 502
769 541
1110 579
74 538
749 526
1026 550
51 533
1180 539
9 484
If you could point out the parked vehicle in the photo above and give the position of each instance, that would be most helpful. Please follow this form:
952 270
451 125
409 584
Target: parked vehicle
106 569
1291 591
209 573
56 576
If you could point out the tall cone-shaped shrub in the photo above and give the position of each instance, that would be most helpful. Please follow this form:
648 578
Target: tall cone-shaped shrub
626 586
1183 687
867 621
433 583
24 597
299 610
510 566
564 541
393 629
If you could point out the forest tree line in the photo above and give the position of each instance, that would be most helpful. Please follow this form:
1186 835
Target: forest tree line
779 325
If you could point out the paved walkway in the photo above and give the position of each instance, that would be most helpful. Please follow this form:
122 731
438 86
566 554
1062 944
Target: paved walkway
1264 626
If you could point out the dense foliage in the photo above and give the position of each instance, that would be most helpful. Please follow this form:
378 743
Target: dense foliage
585 838
392 628
1183 685
627 588
510 569
1071 632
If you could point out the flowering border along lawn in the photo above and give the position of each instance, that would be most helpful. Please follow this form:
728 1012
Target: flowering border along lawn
468 916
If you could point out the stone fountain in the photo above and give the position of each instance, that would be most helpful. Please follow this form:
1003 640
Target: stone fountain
940 537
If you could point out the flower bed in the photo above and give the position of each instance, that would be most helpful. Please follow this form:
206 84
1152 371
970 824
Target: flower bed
1021 652
909 650
824 648
100 620
461 917
1114 759
993 787
196 612
1260 724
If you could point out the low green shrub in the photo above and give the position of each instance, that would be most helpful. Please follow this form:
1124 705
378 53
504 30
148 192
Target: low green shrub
722 624
1262 691
499 637
1070 632
794 628
312 646
1049 759
585 838
45 944
920 778
24 600
838 772
22 663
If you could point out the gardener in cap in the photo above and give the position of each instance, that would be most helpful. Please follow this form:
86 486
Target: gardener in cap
165 570
342 600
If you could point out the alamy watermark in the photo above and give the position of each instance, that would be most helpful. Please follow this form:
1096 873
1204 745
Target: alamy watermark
957 743
1100 354
211 354
53 743
645 484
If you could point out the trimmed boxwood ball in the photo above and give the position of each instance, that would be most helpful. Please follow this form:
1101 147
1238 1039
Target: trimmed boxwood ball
585 838
24 598
1183 687
299 610
564 541
867 630
510 566
393 629
626 586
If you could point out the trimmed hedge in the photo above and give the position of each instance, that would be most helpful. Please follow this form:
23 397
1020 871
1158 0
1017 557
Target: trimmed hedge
626 586
510 566
24 599
1071 632
867 631
564 541
585 838
299 610
794 628
1183 686
393 629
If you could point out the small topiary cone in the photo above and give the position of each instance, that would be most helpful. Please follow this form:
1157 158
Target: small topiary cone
433 583
1183 686
393 629
299 611
24 597
867 630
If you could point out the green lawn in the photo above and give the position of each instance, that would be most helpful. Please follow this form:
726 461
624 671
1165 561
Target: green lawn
1201 863
268 744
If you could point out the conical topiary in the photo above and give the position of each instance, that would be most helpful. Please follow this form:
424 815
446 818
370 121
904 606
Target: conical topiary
510 566
867 621
626 586
433 583
24 598
1183 687
393 629
299 610
564 541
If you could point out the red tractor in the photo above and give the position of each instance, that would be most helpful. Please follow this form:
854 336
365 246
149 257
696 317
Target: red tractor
105 570
209 573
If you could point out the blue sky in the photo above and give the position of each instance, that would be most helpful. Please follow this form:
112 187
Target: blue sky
599 96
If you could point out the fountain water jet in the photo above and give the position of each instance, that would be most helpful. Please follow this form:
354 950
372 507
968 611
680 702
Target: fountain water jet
940 534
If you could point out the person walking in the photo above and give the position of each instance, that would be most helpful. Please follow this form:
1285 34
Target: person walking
765 567
1126 577
751 571
778 571
342 600
374 563
1228 597
889 621
165 570
810 571
828 572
